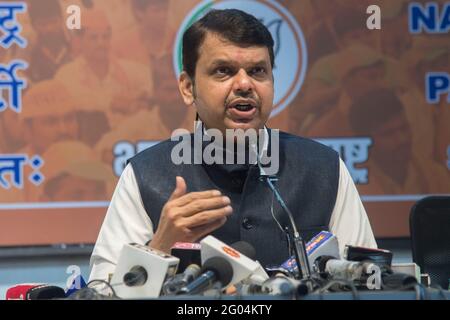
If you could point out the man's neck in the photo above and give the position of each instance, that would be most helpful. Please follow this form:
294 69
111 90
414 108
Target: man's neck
232 148
99 67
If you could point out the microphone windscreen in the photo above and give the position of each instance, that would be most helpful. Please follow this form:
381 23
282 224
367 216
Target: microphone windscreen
321 262
221 268
19 292
46 292
245 248
398 281
35 292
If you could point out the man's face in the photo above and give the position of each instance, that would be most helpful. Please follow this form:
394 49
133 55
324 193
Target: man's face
233 86
96 43
46 130
365 79
155 18
393 139
50 31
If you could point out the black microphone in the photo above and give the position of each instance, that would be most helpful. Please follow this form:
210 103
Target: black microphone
137 276
397 281
173 285
35 292
245 248
215 269
298 245
282 285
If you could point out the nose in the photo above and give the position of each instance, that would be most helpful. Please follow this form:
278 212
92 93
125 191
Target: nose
243 83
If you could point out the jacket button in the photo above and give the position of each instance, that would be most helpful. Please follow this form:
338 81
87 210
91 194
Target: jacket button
247 224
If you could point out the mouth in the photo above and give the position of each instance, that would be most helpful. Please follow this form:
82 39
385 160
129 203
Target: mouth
242 110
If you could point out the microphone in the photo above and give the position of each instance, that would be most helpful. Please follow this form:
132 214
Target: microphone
245 248
323 244
357 273
342 269
383 259
173 285
289 227
137 276
34 292
141 271
242 265
396 280
215 270
188 253
282 285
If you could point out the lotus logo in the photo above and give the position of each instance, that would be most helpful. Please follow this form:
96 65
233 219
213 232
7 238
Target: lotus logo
289 49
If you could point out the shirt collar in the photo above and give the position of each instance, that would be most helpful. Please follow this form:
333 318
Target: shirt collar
265 139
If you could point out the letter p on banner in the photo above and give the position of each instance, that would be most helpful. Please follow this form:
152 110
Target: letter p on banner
437 84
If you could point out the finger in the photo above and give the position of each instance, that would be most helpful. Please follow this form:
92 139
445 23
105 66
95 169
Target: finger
200 205
201 231
206 217
180 188
191 196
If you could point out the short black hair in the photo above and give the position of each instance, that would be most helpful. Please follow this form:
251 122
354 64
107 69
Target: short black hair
233 25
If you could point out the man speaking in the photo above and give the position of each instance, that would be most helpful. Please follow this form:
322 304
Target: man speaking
227 76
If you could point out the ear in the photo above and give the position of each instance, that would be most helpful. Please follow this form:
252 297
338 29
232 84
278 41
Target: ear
186 87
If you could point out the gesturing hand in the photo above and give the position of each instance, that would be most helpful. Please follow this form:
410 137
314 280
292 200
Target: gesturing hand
187 217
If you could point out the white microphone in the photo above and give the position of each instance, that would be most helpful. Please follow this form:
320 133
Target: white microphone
243 267
355 272
141 271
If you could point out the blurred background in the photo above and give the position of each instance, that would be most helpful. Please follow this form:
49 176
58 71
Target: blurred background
77 103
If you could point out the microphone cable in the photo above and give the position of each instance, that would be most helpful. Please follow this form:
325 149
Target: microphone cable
324 288
92 293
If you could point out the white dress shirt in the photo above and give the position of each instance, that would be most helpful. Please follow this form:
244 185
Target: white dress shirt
127 221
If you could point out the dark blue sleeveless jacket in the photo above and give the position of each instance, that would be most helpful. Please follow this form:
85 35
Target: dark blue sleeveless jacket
308 179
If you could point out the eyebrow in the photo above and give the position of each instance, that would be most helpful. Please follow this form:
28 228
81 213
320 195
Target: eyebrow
221 62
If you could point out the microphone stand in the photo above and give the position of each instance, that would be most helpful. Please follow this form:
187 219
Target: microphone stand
304 270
